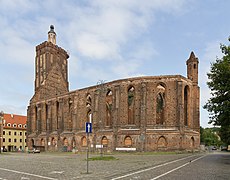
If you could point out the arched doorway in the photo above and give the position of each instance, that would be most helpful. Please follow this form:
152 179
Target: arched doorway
192 145
128 141
162 143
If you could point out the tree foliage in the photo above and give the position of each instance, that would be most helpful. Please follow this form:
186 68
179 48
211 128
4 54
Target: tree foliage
210 136
219 83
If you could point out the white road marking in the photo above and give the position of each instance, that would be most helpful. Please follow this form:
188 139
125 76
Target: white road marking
177 168
56 172
154 167
27 174
2 179
25 178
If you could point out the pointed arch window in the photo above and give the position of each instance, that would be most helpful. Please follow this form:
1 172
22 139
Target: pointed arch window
88 101
109 102
131 110
186 106
160 104
88 106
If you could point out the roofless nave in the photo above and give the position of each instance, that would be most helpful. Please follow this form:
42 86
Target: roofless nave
143 113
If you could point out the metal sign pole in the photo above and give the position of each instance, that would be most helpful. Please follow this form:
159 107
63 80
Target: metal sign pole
87 158
88 129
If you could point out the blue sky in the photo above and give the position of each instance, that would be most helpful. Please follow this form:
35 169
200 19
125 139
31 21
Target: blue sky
109 40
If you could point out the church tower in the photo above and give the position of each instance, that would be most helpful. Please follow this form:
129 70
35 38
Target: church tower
192 68
51 68
192 74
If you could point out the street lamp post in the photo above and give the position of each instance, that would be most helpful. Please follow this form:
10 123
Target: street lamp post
1 124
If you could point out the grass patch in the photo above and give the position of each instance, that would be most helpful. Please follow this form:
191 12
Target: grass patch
103 158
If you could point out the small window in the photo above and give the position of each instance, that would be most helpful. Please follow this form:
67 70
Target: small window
15 133
15 140
4 140
20 126
9 140
24 125
14 125
194 66
20 133
9 133
8 124
4 132
20 140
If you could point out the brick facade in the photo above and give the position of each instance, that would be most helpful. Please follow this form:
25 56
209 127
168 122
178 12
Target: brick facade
147 113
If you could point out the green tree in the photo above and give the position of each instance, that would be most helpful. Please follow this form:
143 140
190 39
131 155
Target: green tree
201 134
219 83
209 136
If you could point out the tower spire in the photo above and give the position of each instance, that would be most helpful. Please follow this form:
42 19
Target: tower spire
192 68
52 35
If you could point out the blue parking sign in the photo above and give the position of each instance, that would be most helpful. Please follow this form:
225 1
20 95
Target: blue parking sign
88 127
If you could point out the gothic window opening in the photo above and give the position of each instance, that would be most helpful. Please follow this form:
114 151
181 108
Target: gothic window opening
109 108
128 141
88 101
47 116
89 116
57 109
186 105
88 106
160 104
70 114
131 97
35 118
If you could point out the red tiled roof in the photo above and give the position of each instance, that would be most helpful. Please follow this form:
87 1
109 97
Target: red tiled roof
14 119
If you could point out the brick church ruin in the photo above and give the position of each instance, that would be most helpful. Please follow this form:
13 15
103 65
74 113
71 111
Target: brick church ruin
150 113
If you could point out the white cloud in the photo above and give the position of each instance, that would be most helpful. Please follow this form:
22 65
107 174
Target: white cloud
96 32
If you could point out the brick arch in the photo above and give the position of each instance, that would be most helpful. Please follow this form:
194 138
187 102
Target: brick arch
162 84
128 141
53 141
161 143
104 141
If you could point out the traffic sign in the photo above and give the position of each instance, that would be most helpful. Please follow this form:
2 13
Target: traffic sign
88 127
